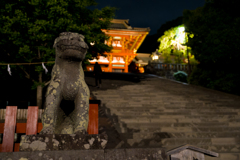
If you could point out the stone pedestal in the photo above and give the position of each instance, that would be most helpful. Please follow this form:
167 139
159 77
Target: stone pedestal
57 142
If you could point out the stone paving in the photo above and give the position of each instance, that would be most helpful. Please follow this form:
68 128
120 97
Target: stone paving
157 112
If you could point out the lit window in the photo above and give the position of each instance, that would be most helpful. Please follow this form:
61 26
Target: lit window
118 60
117 37
116 44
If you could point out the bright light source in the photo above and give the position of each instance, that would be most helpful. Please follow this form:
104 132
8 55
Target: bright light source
117 38
181 29
155 57
92 43
180 39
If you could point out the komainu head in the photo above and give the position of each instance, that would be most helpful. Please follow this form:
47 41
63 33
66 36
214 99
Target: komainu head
70 46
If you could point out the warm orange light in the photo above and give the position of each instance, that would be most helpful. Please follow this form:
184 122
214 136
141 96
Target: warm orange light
141 69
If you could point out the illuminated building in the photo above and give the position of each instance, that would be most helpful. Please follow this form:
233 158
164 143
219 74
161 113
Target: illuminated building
125 41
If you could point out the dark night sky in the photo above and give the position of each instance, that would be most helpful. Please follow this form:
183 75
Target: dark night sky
150 13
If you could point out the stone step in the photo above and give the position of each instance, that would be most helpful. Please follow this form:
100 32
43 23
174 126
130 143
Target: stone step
181 129
155 111
166 114
142 99
168 144
125 107
231 121
154 118
158 100
165 93
197 113
225 149
153 92
183 105
146 107
179 109
225 156
207 117
176 107
203 124
145 104
157 142
151 135
215 144
170 103
89 154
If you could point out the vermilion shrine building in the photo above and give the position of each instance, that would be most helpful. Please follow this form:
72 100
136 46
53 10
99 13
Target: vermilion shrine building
125 41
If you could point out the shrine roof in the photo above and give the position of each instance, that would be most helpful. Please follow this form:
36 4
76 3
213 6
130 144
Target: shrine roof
123 24
117 26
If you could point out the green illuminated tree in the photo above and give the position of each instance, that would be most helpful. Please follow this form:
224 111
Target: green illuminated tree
29 27
215 44
173 43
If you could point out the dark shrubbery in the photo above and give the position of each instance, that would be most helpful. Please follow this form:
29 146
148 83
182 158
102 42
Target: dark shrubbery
181 76
215 45
222 80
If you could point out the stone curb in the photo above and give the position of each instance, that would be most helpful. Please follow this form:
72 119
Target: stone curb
99 154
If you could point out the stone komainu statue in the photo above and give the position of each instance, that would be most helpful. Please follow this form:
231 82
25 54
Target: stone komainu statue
67 83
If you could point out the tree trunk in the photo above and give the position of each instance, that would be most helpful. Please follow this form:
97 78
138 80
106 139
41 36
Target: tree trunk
189 69
39 92
39 87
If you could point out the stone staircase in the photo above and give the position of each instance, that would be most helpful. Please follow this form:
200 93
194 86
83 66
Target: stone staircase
162 113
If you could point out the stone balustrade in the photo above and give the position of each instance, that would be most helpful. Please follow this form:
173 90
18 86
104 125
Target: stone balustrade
173 67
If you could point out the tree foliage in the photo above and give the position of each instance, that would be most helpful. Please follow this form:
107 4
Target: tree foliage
215 44
173 43
29 27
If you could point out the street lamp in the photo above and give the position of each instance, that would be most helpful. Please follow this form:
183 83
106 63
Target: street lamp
155 55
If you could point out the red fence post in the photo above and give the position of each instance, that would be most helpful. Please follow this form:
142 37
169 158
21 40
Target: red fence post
93 119
32 120
9 129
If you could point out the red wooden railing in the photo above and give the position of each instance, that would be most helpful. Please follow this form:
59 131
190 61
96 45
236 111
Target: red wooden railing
10 127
